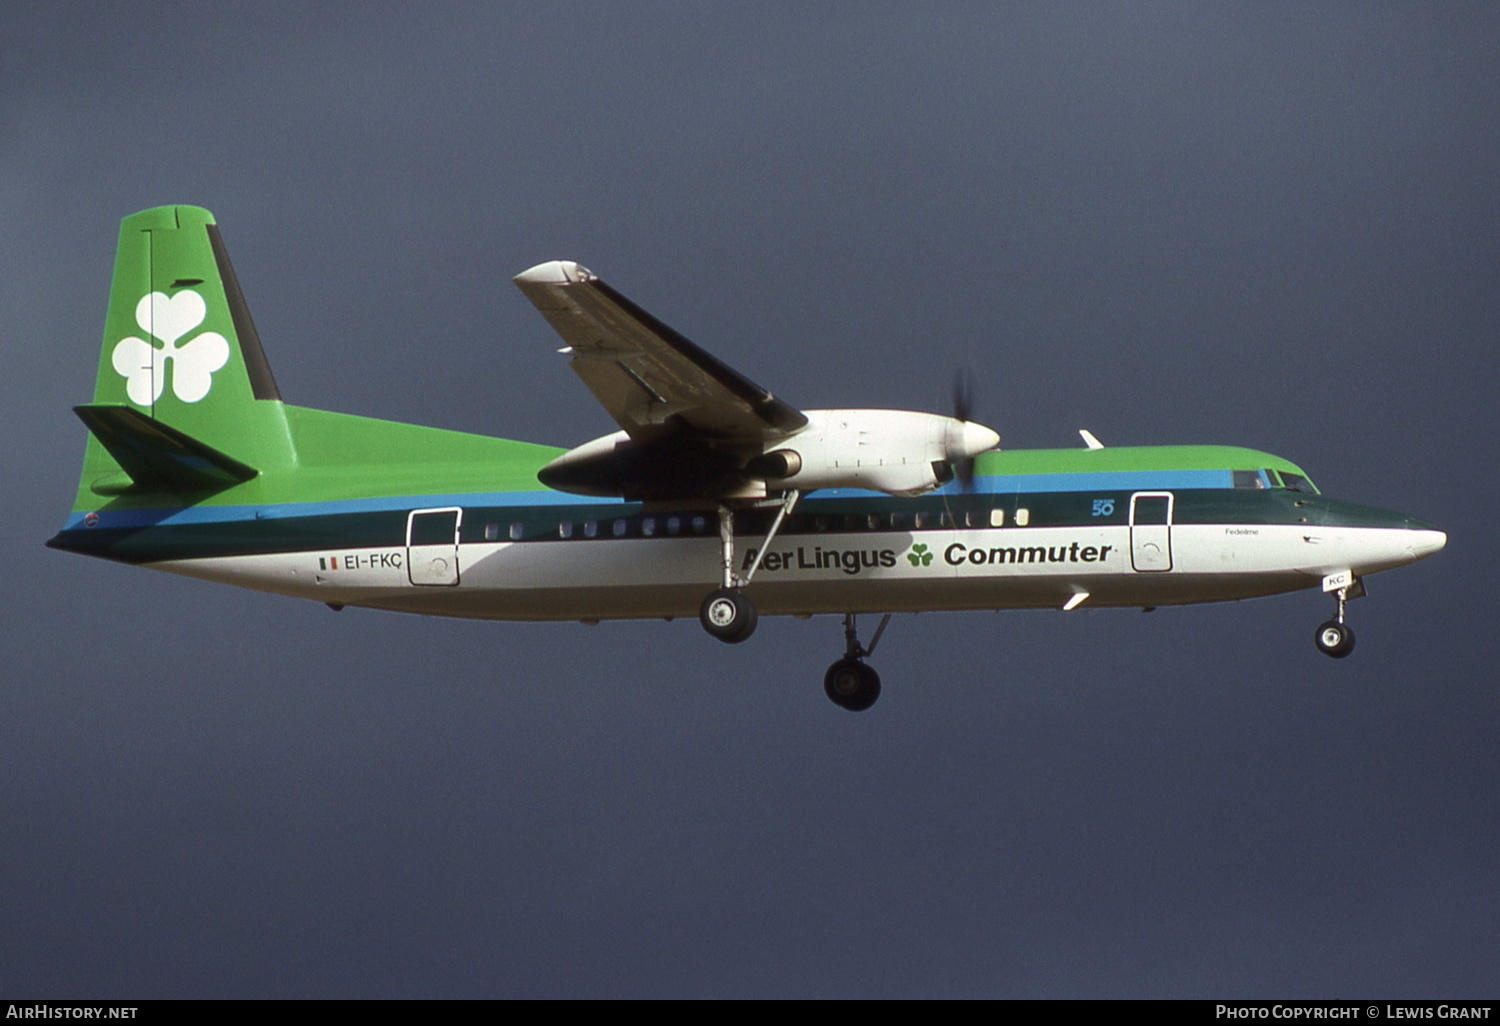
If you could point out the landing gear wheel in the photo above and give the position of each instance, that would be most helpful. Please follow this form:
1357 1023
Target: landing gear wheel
728 615
851 684
1335 639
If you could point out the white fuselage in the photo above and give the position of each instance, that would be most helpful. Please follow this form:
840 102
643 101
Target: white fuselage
833 572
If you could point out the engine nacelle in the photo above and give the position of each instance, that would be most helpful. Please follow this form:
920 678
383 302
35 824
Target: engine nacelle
895 451
674 468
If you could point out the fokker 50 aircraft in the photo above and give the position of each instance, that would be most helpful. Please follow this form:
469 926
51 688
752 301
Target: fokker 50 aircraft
714 497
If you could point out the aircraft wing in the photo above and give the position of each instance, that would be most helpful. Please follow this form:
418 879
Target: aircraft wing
643 372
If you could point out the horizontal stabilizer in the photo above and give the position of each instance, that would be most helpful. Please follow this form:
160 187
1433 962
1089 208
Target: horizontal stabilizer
157 456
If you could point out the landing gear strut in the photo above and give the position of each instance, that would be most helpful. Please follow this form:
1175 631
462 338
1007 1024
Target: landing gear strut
728 614
1336 638
849 682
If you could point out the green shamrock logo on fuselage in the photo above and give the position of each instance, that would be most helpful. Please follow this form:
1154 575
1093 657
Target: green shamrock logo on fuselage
919 555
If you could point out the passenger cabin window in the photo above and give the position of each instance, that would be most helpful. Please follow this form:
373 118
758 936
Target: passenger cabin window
516 530
619 528
1023 517
491 532
699 524
590 528
674 525
997 518
648 526
921 520
565 529
945 519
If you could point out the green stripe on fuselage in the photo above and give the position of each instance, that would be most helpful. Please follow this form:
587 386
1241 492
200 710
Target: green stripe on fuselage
341 456
1128 458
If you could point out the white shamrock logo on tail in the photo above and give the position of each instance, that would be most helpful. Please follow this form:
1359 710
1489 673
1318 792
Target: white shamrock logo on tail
144 367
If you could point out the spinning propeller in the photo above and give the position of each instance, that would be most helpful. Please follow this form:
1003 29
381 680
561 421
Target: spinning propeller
963 411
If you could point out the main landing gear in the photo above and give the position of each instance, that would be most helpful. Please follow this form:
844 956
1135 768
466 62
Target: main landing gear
728 614
1336 638
849 683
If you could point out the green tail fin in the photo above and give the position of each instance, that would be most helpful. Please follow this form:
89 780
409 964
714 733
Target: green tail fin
180 350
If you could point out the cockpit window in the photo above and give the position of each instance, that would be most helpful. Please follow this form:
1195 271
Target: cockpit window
1271 477
1297 483
1248 479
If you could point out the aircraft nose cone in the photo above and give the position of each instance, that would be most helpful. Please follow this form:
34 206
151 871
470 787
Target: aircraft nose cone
974 439
1425 542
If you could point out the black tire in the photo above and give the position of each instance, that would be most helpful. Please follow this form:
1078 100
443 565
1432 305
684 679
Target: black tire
1335 639
851 684
728 615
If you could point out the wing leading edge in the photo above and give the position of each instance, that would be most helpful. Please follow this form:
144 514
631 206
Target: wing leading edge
652 380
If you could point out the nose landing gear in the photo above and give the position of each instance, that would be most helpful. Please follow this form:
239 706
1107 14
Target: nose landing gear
1336 638
849 683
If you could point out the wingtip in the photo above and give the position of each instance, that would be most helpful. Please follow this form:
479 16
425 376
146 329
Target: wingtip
555 272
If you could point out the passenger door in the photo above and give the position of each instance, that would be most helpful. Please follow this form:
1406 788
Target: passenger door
1151 531
432 546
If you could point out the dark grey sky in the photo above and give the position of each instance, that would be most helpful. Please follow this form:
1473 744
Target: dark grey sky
1270 225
